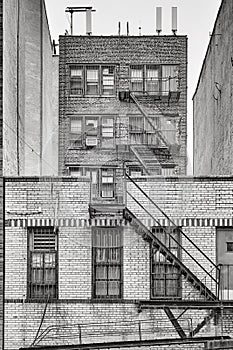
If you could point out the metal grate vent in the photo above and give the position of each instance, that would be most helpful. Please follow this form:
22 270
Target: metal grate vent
44 239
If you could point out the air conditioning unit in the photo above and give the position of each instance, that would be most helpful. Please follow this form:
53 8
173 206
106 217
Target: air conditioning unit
91 141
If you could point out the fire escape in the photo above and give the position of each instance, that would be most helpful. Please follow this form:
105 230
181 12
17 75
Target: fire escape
199 278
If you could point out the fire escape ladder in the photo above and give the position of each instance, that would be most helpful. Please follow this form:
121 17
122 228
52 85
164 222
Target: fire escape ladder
161 137
175 322
210 281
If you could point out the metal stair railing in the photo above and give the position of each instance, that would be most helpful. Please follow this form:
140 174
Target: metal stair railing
159 134
212 279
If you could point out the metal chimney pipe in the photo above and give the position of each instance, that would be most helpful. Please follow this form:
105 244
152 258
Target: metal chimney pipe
127 28
158 20
174 20
119 28
88 22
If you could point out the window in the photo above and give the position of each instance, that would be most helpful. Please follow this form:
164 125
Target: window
92 80
154 79
107 183
136 129
165 277
108 80
136 78
107 262
170 78
76 80
76 132
107 132
42 263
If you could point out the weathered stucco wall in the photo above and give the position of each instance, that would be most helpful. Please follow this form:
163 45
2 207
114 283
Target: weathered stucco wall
30 97
213 103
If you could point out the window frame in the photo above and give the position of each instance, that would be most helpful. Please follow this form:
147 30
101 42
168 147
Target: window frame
107 264
166 264
104 184
30 251
99 82
162 80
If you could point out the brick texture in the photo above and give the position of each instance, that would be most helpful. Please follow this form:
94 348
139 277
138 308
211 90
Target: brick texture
122 52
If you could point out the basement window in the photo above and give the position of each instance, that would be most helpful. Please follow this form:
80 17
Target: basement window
42 263
107 262
165 277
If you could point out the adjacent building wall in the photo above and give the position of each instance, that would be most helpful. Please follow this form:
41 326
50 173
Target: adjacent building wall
198 205
30 94
212 101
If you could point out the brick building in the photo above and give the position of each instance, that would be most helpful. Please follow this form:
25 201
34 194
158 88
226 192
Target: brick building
135 277
122 99
212 100
117 255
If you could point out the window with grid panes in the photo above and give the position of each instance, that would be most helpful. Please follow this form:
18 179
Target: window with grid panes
107 132
107 183
152 83
76 80
154 79
136 129
165 277
92 80
42 263
76 132
107 80
170 78
136 78
107 262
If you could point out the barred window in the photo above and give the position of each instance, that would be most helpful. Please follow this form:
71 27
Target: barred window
165 277
107 262
42 263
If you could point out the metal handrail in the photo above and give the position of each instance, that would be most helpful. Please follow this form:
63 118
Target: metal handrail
170 220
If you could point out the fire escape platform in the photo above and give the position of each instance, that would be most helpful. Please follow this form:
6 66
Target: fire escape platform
180 304
132 343
104 209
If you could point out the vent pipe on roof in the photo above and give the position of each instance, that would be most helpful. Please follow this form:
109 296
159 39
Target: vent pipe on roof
88 22
119 28
140 31
158 20
127 28
174 20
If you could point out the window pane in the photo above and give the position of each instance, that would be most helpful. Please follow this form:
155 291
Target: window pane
114 288
92 75
101 288
108 80
76 126
136 78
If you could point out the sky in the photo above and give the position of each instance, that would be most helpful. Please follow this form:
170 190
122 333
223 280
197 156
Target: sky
195 19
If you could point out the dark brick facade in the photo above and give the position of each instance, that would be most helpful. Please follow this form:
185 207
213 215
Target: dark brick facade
122 52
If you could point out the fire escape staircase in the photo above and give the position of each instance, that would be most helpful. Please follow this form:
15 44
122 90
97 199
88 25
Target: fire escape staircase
143 153
207 288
